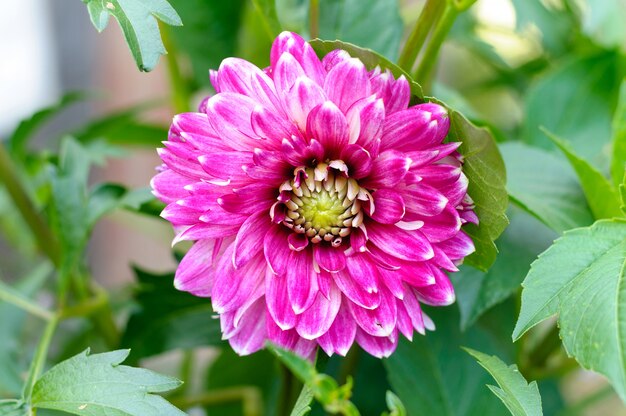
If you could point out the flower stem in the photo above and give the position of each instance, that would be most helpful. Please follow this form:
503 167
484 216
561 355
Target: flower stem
314 18
179 89
40 357
427 19
46 240
7 294
249 396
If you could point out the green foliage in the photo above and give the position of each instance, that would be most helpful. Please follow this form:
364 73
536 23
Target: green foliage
138 20
618 159
601 196
519 245
166 319
303 404
555 25
545 186
484 168
581 277
372 24
269 16
97 385
520 397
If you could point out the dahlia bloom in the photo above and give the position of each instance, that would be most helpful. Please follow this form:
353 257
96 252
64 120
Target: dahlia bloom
323 208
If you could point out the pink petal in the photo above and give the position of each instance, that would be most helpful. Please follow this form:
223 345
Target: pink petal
327 124
180 215
249 240
252 331
457 247
416 128
169 186
439 294
354 291
389 206
329 258
206 231
270 126
233 287
380 321
334 58
417 274
340 336
301 281
226 165
405 245
388 170
230 114
358 160
414 310
423 200
278 303
285 73
346 83
185 166
379 347
366 119
192 123
358 240
276 249
439 227
301 99
195 272
395 93
317 319
393 281
301 51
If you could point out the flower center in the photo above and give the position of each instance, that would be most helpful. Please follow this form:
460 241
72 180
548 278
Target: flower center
322 204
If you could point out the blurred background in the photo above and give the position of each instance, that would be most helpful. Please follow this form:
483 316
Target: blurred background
508 64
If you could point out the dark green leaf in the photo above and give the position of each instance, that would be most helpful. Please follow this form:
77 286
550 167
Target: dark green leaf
18 141
545 186
484 168
433 376
370 58
602 198
167 319
97 385
581 277
519 245
618 160
521 398
138 20
575 101
303 404
373 24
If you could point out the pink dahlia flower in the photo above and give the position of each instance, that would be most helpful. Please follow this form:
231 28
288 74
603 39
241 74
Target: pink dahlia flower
323 208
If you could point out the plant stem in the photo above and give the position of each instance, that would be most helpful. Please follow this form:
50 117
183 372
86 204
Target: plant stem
7 294
40 357
427 19
314 18
249 396
46 240
179 90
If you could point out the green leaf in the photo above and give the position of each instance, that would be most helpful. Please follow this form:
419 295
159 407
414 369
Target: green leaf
622 193
166 319
618 160
373 24
581 97
269 15
12 408
581 277
301 368
485 171
18 141
554 24
519 245
303 404
520 397
395 405
97 385
138 20
545 186
603 21
433 376
601 196
370 58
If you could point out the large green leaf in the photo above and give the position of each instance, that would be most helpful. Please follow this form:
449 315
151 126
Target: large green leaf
618 160
602 198
545 186
97 385
603 21
519 245
373 24
554 24
432 375
520 397
575 101
485 170
138 20
581 277
166 318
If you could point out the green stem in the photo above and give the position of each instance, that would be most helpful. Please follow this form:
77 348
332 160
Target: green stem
428 60
249 396
314 18
428 18
179 90
9 295
40 357
45 239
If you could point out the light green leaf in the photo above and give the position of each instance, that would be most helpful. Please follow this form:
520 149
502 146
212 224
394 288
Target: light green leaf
267 10
395 405
373 24
545 186
303 404
519 245
554 24
622 193
138 20
575 101
520 397
601 196
97 385
603 21
12 408
618 160
370 58
485 170
581 277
